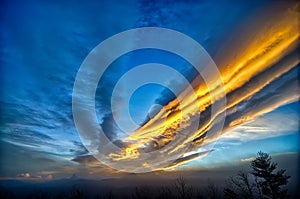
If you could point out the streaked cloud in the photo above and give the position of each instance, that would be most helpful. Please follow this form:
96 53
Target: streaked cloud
43 46
260 77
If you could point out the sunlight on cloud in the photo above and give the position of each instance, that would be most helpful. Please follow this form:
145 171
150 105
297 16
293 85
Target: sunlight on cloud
258 62
271 50
270 125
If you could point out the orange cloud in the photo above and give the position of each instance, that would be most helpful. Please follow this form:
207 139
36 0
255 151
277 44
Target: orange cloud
263 52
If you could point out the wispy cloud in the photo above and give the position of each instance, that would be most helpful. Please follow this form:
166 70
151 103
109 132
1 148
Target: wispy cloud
44 44
257 80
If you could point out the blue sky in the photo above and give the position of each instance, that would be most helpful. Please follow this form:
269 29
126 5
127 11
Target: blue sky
43 44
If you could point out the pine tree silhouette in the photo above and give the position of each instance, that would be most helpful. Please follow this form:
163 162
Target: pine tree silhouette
269 178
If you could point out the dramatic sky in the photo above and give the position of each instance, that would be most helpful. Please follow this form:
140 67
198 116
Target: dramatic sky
43 44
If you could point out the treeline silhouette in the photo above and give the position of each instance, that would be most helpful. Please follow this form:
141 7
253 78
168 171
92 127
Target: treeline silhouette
263 181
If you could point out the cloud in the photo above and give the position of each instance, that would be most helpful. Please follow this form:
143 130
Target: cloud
40 68
247 159
25 175
187 158
49 177
87 160
269 125
259 78
37 93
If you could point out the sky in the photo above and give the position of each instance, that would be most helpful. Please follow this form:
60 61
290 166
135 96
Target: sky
43 44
